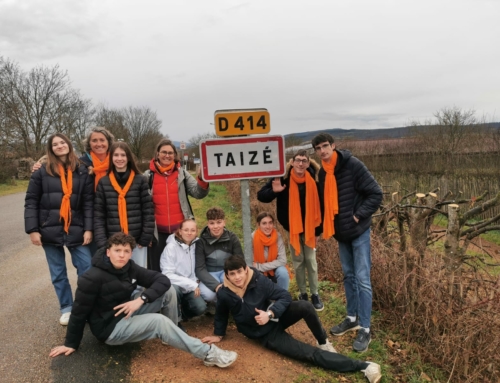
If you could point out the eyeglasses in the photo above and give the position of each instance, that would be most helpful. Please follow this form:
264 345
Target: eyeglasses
163 153
298 161
320 147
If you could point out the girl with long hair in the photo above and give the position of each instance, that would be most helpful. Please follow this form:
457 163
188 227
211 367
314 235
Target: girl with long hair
178 264
123 203
58 212
96 158
269 252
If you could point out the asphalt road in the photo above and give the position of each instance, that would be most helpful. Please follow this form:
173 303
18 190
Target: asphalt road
29 314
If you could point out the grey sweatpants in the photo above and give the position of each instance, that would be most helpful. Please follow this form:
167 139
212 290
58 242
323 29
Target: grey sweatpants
146 323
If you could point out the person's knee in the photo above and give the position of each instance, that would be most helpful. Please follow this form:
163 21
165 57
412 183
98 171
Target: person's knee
304 307
170 297
178 292
198 307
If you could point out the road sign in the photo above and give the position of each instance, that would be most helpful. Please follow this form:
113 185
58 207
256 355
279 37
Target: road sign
242 122
243 158
182 146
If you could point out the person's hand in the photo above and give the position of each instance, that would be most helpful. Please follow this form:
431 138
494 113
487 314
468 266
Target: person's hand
212 339
356 219
129 308
87 237
36 166
277 186
61 350
199 175
218 287
197 292
262 318
36 238
254 264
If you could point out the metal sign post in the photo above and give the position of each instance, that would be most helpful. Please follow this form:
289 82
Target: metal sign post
243 158
246 220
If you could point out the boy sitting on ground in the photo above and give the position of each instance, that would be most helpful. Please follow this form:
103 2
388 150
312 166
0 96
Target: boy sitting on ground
103 299
247 295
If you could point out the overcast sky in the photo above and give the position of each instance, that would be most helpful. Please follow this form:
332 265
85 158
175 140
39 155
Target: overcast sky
312 64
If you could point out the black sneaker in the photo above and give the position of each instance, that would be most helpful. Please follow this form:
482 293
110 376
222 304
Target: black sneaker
316 301
303 297
362 341
345 326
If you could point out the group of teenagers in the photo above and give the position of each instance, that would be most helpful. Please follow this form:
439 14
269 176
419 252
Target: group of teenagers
142 268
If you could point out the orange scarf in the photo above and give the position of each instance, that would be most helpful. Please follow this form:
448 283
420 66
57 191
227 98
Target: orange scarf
312 211
260 240
122 203
330 196
100 168
165 169
239 291
67 188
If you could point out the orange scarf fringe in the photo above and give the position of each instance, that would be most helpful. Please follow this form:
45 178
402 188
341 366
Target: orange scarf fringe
67 188
312 211
260 240
100 168
122 203
330 197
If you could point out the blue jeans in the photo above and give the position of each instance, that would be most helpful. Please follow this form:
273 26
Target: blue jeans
282 277
191 306
207 294
356 264
80 257
146 323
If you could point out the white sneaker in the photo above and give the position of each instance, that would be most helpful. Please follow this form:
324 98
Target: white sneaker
373 372
219 358
327 347
64 319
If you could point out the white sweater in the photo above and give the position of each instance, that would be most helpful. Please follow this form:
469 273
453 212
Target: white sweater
177 263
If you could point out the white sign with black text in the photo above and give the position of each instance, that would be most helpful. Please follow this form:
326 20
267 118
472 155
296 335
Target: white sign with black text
243 158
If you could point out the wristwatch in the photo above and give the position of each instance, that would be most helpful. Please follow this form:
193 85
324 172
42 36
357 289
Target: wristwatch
270 314
144 298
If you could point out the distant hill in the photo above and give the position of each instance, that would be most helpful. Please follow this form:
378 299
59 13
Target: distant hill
366 134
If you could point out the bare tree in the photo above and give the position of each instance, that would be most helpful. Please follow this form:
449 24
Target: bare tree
113 120
454 131
34 102
143 128
293 140
193 143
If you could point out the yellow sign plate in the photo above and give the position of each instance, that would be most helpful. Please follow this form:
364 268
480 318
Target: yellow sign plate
242 122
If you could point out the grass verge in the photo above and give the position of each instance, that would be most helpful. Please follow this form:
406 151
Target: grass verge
15 186
218 196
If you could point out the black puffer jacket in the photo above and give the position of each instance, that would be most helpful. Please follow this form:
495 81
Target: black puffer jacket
267 195
359 195
140 211
259 293
43 203
103 287
211 253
